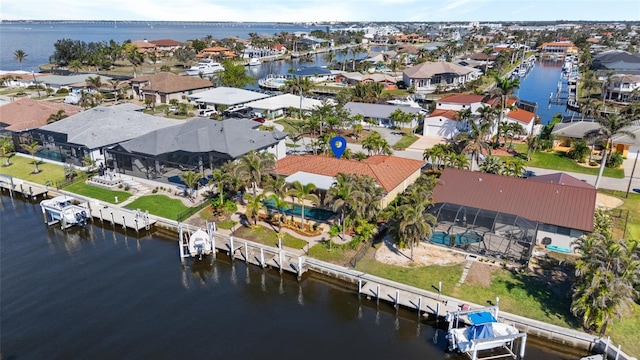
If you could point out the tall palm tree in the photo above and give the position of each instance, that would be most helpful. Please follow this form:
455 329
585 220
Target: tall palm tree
254 165
59 115
475 143
504 89
533 144
253 206
220 178
114 85
281 205
6 148
611 125
412 224
340 196
344 52
94 82
32 149
19 55
304 193
298 86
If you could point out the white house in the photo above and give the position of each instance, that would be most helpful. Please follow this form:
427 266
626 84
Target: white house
428 76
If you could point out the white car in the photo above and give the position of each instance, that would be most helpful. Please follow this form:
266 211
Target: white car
207 112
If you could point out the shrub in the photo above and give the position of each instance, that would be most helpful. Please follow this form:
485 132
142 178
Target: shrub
126 188
62 91
154 191
615 160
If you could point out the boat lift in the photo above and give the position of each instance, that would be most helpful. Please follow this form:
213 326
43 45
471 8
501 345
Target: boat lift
196 242
466 340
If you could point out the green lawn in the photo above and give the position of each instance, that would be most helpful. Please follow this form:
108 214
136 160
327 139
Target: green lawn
423 277
632 204
405 141
22 168
558 161
95 192
290 125
268 237
159 205
625 331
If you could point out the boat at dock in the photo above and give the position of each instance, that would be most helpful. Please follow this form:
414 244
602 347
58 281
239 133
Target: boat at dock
199 243
474 330
65 210
408 101
254 61
205 67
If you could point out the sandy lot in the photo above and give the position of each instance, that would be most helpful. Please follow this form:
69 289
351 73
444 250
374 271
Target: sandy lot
607 202
423 255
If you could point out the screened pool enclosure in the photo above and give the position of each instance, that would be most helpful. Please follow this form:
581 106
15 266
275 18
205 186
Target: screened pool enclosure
484 232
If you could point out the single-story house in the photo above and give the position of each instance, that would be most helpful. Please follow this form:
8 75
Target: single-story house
166 45
393 174
90 132
625 144
20 79
198 144
352 78
57 82
617 60
276 106
506 216
215 52
426 77
525 118
164 86
381 113
226 96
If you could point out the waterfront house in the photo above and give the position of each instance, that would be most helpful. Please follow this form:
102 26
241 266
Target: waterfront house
277 106
429 76
623 88
524 118
619 61
557 49
393 174
507 216
145 47
216 52
20 79
164 86
443 121
198 144
70 82
90 132
226 96
167 45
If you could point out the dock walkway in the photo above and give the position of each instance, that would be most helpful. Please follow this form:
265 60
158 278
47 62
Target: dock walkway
27 190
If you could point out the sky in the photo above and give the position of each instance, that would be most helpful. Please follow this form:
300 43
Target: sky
322 10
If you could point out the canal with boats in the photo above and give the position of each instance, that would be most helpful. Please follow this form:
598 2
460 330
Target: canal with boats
100 293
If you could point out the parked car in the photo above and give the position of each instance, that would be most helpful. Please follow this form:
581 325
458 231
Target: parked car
259 119
206 112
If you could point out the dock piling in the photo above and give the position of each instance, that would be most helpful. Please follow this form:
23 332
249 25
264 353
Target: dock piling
262 258
378 293
231 246
246 251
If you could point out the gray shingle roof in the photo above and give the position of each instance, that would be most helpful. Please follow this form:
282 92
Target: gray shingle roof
579 128
199 135
102 126
227 96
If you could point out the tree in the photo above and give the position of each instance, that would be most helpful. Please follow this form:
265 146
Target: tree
191 179
298 86
374 143
234 75
281 205
32 149
19 55
533 145
504 89
340 196
607 275
254 165
220 178
114 86
492 165
6 148
475 143
134 56
253 205
304 193
75 65
411 224
94 83
611 125
59 115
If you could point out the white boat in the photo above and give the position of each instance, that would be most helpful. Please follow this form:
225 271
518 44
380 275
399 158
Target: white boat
254 61
481 331
273 82
205 67
65 210
199 243
408 101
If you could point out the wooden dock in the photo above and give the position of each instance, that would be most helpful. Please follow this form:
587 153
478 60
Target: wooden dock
132 219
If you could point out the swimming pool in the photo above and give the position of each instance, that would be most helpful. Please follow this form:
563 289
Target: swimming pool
441 237
309 211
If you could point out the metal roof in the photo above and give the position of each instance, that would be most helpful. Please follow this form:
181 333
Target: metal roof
549 203
321 182
234 137
227 96
285 101
378 111
102 126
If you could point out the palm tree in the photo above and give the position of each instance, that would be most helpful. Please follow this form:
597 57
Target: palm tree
504 89
533 144
190 179
254 165
330 57
114 85
253 205
487 115
94 83
19 55
340 196
298 85
220 178
302 193
75 65
344 52
6 147
32 149
412 224
59 115
492 165
281 205
475 143
611 125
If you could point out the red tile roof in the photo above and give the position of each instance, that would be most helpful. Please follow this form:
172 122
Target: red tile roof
449 114
549 203
389 171
462 99
165 42
523 116
25 114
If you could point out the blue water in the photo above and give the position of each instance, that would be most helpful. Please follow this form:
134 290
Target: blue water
309 212
440 237
538 84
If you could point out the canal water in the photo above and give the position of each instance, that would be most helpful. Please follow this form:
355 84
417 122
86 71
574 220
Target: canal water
98 293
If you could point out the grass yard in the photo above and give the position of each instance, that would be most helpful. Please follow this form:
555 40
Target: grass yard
423 277
95 192
290 125
405 141
625 331
159 205
558 161
262 235
22 167
632 204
